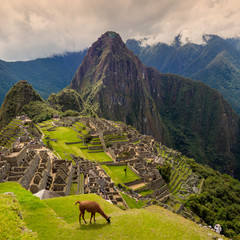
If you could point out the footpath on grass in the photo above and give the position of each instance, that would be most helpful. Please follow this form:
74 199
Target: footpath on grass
57 218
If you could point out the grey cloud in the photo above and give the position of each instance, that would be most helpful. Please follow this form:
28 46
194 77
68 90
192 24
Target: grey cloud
31 29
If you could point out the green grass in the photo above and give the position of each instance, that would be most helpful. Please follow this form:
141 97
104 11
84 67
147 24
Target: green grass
118 175
73 190
57 218
132 202
146 192
11 225
66 134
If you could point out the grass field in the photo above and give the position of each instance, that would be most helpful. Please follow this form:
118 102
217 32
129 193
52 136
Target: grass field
57 218
117 174
66 134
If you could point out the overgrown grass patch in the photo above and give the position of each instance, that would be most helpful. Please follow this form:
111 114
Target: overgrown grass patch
11 224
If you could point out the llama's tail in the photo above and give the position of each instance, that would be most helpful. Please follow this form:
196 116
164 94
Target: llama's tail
104 215
77 202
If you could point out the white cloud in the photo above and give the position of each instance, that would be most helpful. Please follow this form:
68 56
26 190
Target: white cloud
39 28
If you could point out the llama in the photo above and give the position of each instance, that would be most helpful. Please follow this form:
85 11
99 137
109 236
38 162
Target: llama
92 207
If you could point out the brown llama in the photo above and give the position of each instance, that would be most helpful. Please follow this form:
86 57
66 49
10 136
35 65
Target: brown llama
92 207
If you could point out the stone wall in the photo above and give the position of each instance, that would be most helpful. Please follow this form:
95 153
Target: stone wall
134 170
69 181
157 183
15 158
137 181
4 169
29 173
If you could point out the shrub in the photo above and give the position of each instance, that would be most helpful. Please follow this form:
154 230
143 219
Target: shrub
165 171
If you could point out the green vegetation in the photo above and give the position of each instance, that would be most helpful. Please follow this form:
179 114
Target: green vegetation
117 174
165 172
57 218
215 63
11 225
132 203
67 99
18 96
38 111
219 200
74 188
146 192
61 135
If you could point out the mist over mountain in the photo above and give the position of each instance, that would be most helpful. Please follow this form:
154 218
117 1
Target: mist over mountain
182 113
216 62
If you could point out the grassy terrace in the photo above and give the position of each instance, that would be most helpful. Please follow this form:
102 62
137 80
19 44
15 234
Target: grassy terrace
131 202
117 174
67 134
12 132
57 218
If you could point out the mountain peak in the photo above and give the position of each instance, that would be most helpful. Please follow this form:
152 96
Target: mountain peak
21 94
109 39
110 36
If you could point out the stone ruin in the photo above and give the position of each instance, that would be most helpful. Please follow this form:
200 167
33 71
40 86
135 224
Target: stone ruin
35 170
62 171
95 180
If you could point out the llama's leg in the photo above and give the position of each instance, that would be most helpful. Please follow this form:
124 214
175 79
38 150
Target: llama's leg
94 217
80 214
83 216
91 217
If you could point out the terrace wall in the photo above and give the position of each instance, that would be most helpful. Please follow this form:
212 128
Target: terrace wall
29 173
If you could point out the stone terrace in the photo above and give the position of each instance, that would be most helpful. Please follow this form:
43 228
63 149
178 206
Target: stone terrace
95 180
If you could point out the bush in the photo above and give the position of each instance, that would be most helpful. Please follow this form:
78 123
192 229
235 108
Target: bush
165 171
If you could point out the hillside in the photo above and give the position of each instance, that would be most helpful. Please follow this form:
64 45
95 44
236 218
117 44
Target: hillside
8 79
216 62
66 99
23 99
58 217
181 113
46 75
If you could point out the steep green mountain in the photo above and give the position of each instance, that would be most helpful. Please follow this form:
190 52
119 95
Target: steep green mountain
70 103
111 78
46 75
216 62
23 99
67 99
181 113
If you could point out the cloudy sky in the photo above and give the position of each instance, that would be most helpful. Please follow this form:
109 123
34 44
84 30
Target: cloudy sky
38 28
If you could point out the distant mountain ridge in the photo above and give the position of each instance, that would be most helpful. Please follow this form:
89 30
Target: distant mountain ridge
46 75
216 63
181 113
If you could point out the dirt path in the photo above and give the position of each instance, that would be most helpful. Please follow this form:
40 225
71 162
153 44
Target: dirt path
137 186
